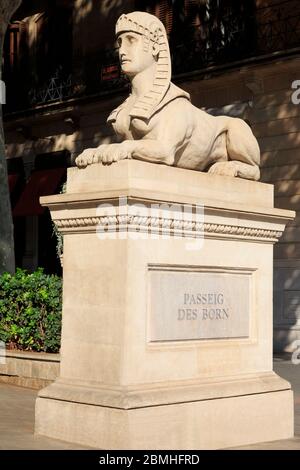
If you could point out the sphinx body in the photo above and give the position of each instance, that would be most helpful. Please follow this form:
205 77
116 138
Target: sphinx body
157 123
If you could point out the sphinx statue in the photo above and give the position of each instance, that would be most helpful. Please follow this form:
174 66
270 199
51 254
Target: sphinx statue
157 122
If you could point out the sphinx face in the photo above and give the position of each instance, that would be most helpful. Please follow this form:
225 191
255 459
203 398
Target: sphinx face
133 57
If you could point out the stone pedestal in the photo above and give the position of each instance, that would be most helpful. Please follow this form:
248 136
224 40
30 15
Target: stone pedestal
167 315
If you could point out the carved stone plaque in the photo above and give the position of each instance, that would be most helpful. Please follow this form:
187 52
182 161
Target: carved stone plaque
189 305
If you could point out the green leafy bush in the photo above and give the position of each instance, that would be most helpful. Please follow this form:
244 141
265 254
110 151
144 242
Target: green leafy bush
56 233
30 310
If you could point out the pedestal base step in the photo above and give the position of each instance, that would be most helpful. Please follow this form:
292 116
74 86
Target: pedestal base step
206 424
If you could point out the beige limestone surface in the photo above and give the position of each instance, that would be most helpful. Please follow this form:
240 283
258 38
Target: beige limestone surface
187 304
29 369
119 389
206 424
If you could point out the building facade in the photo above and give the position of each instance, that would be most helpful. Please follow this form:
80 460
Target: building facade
63 79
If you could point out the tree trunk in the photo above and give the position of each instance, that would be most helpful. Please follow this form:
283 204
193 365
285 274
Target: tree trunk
7 256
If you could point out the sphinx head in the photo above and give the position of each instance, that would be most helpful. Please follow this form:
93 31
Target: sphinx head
143 43
136 53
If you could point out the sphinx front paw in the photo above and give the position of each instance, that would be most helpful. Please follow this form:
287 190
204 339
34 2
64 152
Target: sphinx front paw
224 169
90 156
87 157
112 153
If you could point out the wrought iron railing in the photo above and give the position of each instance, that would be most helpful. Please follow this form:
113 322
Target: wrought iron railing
236 35
57 88
221 36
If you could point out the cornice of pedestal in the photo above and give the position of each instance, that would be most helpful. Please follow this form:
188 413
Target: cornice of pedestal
165 226
187 204
176 220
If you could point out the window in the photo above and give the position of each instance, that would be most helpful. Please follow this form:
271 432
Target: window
38 56
163 9
205 32
15 66
53 43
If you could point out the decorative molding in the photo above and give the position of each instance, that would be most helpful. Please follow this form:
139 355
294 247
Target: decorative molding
160 225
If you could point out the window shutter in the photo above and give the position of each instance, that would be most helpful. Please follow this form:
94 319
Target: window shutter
42 47
24 62
193 9
163 9
11 47
164 12
23 40
15 64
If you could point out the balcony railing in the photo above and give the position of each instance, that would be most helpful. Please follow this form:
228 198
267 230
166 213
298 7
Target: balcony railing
236 36
56 88
221 38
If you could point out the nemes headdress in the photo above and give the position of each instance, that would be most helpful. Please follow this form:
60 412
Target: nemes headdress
153 30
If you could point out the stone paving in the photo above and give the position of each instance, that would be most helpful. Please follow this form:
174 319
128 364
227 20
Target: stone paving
290 372
17 417
17 421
